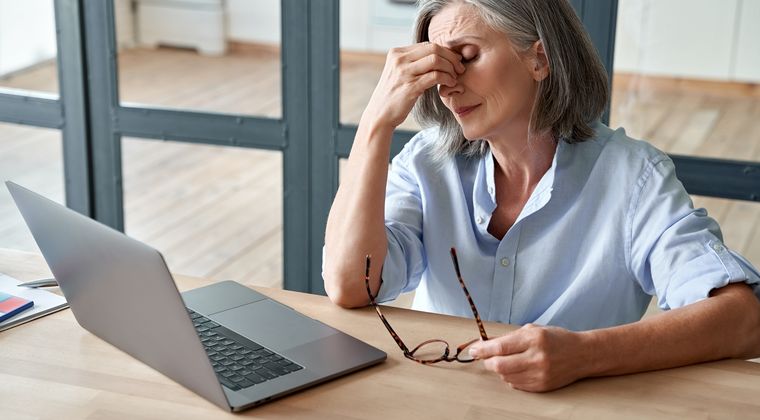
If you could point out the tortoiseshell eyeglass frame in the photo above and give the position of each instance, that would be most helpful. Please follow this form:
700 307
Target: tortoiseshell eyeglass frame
409 354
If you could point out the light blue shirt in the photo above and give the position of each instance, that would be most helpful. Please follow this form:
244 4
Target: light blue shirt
607 226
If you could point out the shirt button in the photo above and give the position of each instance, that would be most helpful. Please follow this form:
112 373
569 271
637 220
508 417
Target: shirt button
505 262
490 190
718 247
479 220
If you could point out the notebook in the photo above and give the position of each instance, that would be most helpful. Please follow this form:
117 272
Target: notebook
44 302
10 305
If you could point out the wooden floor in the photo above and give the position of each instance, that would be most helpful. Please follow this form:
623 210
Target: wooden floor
217 212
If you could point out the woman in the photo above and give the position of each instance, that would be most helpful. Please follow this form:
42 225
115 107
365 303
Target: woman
559 221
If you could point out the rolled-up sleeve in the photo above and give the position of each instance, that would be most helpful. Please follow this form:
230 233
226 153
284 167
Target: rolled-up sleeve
405 258
676 251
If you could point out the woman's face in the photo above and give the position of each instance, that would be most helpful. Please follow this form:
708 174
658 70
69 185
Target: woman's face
494 96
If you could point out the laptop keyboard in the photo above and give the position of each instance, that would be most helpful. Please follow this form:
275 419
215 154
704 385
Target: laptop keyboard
239 362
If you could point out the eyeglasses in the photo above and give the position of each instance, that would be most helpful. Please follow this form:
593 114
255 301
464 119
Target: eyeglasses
436 350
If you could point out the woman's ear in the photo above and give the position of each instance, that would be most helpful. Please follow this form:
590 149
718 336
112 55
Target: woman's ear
540 68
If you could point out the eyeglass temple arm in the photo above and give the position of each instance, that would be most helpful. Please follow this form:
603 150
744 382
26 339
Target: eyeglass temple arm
372 301
455 260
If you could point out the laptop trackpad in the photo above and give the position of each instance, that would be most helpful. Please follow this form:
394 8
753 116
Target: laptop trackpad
272 325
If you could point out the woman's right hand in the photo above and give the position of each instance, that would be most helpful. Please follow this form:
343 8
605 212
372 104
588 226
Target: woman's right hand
408 72
356 224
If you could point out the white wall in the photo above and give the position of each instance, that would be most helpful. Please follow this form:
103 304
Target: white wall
27 33
390 25
365 25
354 25
125 23
702 39
747 64
253 21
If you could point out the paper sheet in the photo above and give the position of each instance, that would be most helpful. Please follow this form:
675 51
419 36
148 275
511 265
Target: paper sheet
44 302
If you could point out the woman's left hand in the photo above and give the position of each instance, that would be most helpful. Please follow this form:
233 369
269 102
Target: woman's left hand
535 358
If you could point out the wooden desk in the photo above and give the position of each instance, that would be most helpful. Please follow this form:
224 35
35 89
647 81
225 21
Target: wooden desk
52 368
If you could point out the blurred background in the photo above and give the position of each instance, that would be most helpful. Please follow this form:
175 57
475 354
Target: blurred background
686 77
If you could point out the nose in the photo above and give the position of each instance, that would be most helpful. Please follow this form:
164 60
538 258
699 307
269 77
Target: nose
447 91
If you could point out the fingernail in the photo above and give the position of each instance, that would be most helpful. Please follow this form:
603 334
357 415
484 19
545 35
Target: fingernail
473 352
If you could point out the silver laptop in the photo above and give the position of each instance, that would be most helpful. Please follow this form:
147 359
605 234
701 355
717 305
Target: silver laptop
229 344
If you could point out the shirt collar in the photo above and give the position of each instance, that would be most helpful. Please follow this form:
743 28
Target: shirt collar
484 193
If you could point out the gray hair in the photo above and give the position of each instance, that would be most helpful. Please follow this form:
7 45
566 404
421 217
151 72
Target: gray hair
568 101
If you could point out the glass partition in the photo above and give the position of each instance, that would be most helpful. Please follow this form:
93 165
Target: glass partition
368 29
28 46
685 89
207 55
31 157
212 211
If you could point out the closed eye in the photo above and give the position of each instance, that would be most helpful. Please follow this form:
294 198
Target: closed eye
469 60
469 53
